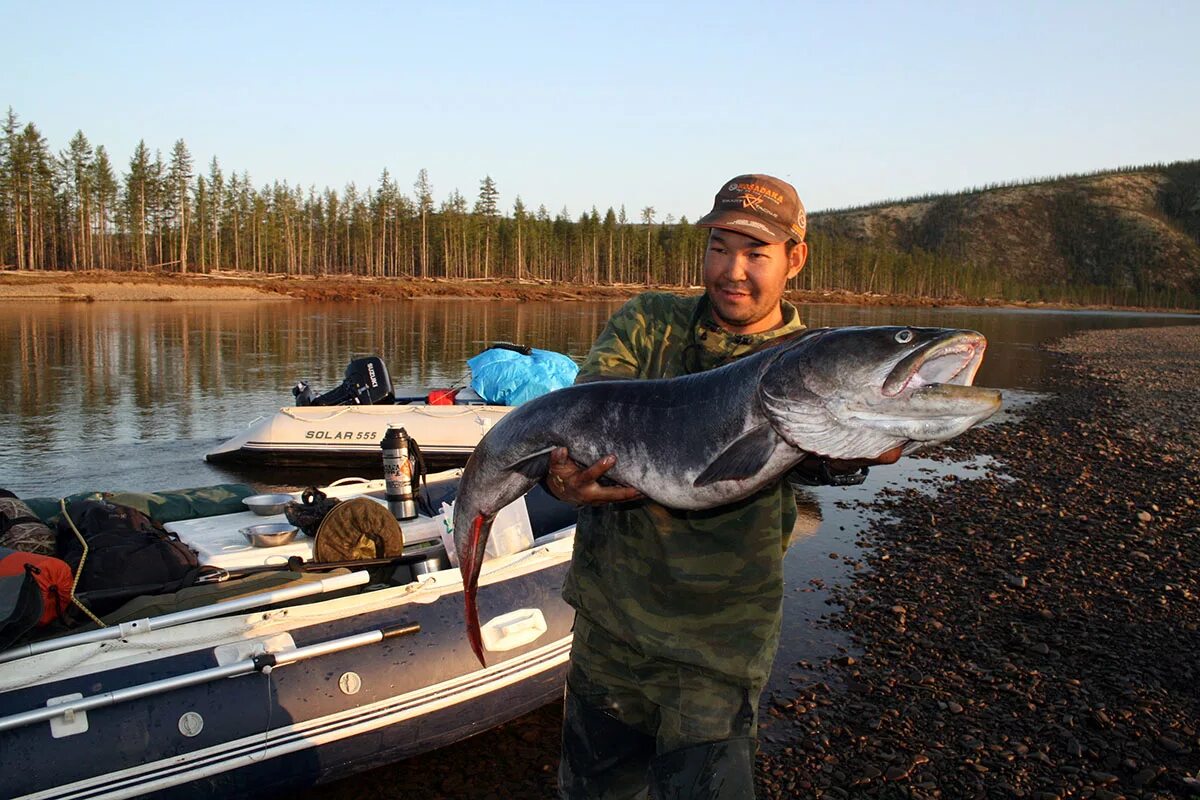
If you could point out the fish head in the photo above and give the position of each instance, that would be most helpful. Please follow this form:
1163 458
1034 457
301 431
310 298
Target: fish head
859 392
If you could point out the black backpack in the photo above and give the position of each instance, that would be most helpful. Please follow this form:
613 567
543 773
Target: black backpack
128 555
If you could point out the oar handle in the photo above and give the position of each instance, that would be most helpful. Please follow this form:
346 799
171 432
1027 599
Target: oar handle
400 630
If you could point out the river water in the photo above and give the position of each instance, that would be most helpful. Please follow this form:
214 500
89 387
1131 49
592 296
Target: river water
130 396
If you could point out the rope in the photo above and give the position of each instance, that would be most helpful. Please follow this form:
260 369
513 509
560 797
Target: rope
332 415
423 409
79 570
436 411
22 677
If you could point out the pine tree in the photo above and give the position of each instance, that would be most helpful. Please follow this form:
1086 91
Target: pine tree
423 191
11 243
216 201
610 226
648 221
519 215
105 182
202 212
76 164
158 206
137 198
179 177
35 182
487 207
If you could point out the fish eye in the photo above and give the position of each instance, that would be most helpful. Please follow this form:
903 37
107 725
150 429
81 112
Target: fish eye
905 336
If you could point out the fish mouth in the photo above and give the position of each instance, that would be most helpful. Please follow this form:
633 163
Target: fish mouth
950 360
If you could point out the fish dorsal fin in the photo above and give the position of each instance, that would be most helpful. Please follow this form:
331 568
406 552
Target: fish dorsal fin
747 455
534 466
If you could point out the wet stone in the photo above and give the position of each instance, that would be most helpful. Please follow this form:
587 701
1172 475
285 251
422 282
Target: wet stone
1016 581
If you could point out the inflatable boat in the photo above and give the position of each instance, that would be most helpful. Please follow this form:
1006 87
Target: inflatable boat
279 689
349 435
344 426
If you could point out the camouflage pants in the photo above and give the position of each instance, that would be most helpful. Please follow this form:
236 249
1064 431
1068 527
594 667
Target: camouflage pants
632 724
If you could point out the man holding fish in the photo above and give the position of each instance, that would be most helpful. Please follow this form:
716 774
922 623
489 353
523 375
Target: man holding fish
697 409
678 611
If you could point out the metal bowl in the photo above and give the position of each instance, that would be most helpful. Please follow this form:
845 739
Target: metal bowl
267 504
269 534
435 560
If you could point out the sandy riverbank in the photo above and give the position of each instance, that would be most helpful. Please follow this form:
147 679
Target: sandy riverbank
101 286
1028 634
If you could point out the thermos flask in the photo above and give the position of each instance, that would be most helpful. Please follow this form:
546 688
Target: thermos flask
398 473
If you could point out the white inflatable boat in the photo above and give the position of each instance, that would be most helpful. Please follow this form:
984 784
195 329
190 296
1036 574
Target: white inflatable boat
349 435
282 689
344 426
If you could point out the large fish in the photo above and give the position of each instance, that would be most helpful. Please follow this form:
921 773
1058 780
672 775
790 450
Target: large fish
708 439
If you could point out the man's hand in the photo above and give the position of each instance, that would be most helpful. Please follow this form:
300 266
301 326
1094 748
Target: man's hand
849 465
572 484
817 471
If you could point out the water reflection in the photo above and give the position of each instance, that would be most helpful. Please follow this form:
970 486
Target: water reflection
131 395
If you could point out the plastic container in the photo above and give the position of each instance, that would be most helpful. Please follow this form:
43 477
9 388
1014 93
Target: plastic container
511 531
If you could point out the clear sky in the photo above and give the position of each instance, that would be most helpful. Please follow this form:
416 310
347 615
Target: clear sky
611 103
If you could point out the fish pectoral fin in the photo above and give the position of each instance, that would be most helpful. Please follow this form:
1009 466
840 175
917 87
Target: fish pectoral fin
534 466
746 456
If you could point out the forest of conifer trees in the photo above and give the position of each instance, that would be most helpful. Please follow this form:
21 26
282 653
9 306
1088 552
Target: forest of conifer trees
77 210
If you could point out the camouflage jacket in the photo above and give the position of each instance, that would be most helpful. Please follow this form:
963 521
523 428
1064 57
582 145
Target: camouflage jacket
703 588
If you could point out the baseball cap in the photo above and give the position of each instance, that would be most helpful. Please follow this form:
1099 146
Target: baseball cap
759 206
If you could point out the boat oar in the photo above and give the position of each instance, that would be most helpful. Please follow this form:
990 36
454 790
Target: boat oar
134 627
298 564
264 663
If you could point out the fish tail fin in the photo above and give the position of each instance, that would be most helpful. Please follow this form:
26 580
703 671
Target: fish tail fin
471 589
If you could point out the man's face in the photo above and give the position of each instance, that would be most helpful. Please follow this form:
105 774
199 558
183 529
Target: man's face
745 279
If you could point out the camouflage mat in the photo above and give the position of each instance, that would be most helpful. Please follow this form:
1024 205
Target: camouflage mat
162 507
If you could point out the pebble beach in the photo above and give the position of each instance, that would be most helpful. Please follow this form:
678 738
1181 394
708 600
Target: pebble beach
1033 633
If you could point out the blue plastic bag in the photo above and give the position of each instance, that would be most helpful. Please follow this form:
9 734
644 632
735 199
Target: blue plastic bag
507 378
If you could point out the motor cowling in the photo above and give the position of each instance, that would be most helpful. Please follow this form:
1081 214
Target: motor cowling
366 383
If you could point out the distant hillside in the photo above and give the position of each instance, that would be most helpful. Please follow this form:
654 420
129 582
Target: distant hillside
1127 237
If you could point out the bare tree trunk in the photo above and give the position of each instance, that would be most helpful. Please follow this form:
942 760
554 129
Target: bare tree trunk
31 261
424 246
145 255
183 229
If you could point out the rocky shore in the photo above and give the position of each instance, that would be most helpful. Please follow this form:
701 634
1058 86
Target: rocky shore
1032 633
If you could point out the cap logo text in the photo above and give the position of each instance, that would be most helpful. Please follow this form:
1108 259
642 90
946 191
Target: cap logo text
757 187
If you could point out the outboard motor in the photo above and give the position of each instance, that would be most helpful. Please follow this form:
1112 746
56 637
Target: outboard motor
366 383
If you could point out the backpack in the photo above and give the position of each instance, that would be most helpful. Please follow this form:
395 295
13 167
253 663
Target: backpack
34 591
128 555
